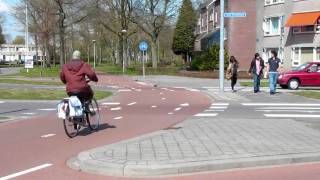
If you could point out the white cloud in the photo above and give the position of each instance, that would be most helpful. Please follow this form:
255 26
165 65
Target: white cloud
3 7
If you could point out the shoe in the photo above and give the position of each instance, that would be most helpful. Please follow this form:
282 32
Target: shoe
272 93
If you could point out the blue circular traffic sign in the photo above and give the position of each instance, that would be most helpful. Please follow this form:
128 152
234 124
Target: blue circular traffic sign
143 46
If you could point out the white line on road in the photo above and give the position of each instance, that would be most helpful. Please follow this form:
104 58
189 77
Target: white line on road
48 135
206 115
116 109
193 90
142 83
218 107
161 93
1 102
28 113
46 109
220 104
214 110
138 90
124 90
131 104
170 113
278 104
292 115
185 105
111 103
163 99
178 109
117 118
25 172
291 108
154 106
300 111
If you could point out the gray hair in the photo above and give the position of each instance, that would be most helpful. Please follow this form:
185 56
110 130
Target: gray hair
76 55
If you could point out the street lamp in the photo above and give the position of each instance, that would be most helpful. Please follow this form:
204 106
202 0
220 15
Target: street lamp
94 53
124 31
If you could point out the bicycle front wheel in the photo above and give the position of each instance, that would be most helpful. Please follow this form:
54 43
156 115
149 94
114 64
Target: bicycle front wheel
93 116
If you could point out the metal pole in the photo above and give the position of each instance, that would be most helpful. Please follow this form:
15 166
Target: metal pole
221 62
123 55
143 66
26 37
94 55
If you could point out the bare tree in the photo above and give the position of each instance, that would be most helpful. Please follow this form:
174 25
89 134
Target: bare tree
151 16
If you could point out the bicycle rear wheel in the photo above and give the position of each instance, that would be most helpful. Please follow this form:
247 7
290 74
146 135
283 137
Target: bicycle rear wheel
93 116
70 127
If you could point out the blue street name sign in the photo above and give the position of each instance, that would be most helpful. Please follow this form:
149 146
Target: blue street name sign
235 14
143 46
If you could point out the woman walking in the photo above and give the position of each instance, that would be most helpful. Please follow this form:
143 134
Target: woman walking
256 71
233 71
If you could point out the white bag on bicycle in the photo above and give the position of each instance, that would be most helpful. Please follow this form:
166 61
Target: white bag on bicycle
75 107
62 108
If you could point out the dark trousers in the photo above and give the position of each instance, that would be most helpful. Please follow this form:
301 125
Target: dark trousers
256 82
84 95
234 79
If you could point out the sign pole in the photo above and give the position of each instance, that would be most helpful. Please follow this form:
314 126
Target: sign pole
143 66
221 62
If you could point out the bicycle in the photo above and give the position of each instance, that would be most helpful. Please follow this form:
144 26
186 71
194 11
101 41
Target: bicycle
90 118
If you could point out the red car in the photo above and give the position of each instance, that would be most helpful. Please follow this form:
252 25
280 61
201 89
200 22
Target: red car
307 74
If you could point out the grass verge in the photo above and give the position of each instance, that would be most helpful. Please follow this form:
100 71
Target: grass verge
42 94
250 84
18 81
308 94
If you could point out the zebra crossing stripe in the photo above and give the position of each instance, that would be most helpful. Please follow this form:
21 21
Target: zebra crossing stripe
293 115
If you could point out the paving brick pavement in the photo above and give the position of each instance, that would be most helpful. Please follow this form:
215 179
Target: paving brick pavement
202 144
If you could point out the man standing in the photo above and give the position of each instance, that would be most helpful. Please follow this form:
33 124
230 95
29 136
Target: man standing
273 65
256 70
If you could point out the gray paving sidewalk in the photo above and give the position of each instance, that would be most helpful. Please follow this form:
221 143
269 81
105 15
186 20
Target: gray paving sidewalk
203 144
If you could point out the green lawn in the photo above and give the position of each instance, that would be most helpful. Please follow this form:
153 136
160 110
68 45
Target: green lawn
308 94
18 81
264 83
42 94
39 72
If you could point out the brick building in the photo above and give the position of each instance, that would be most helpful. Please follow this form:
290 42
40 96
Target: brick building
240 34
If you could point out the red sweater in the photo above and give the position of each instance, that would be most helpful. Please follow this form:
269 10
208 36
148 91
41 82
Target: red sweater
74 74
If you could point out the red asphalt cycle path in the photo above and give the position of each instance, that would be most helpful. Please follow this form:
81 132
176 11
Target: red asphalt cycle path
21 146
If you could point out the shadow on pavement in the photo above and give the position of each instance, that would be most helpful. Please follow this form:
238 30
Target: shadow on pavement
87 131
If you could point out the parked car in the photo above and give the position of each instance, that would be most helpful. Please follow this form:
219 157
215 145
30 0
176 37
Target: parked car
307 74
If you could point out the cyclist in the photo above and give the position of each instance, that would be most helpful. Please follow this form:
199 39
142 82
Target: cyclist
74 75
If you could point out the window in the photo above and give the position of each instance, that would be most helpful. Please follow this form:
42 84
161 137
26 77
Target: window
272 26
270 2
304 29
306 54
302 55
318 26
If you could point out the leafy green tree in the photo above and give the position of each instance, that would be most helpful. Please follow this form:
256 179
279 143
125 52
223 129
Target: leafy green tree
184 37
18 40
2 38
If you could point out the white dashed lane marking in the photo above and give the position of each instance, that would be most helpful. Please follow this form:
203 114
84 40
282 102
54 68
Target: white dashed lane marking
48 135
111 103
292 115
178 109
1 102
185 105
279 104
153 106
163 99
131 104
116 109
28 113
117 118
206 115
47 109
11 176
124 90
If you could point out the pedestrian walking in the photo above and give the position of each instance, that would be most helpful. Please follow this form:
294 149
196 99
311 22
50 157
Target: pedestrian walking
273 66
256 71
232 72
